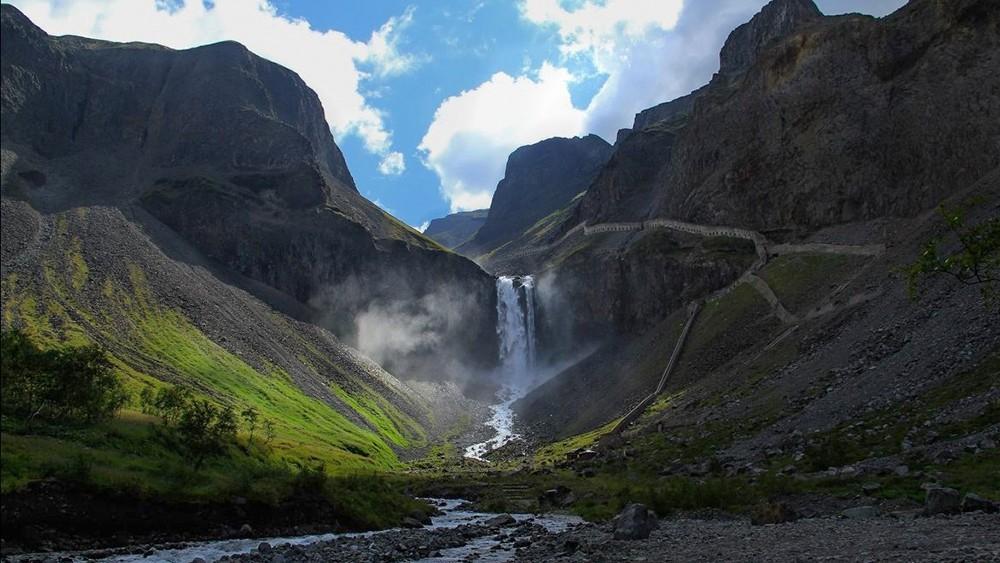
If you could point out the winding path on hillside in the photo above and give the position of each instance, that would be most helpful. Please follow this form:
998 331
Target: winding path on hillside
764 249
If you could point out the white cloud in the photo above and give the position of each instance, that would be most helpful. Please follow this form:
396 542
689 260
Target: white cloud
392 164
423 226
328 61
383 48
473 132
594 27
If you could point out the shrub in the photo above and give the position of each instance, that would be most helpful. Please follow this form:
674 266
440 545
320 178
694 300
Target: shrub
168 403
62 385
205 429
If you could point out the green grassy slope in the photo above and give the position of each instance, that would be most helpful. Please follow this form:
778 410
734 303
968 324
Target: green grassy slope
325 407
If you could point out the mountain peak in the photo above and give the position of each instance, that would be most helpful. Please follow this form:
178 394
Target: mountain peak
777 19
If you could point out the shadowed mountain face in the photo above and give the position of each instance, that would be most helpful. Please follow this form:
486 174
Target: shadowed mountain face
539 180
818 120
455 229
232 154
845 129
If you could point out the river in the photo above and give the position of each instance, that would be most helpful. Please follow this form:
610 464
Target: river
482 548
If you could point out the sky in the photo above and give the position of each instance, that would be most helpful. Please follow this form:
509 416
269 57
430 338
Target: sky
427 99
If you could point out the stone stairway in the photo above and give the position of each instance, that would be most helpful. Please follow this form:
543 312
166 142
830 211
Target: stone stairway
636 412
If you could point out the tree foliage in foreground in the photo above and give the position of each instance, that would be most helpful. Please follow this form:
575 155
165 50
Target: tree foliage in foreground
201 427
975 261
58 385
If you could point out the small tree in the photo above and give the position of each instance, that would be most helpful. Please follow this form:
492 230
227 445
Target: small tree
205 429
167 402
250 416
975 262
269 432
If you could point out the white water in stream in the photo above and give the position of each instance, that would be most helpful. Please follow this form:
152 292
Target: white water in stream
516 329
481 549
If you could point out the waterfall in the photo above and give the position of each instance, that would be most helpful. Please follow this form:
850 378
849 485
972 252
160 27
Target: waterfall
516 328
516 332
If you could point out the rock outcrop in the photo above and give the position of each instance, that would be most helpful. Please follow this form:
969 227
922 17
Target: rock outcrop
775 21
539 179
232 153
455 229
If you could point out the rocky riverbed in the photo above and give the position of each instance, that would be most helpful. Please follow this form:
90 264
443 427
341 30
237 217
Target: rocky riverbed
968 537
460 535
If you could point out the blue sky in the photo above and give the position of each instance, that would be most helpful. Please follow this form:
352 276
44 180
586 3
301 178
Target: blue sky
427 99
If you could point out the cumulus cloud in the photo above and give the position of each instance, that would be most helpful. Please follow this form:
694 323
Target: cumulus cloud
473 132
392 164
595 26
384 52
328 61
423 226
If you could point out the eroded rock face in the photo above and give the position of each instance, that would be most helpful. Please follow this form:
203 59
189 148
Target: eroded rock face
231 152
816 120
539 179
776 20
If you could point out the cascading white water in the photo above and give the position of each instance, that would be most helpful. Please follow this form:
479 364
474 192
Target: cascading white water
516 330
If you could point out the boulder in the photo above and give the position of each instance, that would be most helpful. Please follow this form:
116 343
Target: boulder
559 496
973 503
409 522
421 517
264 547
501 521
942 500
635 522
246 530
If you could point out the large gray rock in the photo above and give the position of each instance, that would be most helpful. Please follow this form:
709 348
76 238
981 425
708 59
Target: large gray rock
942 500
501 521
635 522
972 503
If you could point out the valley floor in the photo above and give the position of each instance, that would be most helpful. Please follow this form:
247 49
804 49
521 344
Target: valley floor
969 537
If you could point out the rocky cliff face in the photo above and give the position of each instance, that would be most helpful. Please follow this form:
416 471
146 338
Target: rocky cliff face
457 228
232 153
539 179
775 21
817 120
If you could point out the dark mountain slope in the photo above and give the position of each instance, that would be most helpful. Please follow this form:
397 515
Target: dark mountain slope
539 179
455 229
232 153
848 131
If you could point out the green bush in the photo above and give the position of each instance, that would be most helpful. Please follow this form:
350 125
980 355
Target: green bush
60 385
201 427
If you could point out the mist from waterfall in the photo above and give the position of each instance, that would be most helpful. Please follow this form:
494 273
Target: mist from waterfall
516 332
